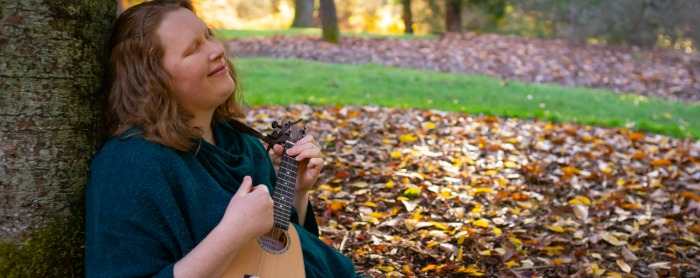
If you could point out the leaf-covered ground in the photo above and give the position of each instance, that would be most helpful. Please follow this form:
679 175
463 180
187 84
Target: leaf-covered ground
431 194
665 74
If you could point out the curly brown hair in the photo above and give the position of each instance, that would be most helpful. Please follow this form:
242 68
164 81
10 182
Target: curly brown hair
140 91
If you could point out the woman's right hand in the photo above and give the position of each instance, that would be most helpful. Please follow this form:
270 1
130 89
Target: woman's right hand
250 211
248 216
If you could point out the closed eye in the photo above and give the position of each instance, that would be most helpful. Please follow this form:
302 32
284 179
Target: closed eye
193 49
208 36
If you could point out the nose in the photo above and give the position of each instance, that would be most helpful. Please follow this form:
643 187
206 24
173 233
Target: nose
217 50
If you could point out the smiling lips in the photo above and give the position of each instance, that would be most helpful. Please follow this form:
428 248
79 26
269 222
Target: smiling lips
219 70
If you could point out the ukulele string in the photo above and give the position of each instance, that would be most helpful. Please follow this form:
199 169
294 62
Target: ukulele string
262 260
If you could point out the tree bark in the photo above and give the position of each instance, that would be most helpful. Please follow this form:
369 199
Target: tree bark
453 17
303 13
329 21
52 60
407 17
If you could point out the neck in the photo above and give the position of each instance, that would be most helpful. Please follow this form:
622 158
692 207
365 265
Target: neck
204 122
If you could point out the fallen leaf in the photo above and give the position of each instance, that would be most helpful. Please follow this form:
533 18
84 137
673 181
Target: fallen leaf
412 192
386 268
623 265
580 211
407 138
660 265
554 228
596 270
612 239
429 268
406 270
628 255
481 223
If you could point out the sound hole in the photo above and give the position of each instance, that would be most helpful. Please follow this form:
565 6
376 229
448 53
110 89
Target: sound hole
276 241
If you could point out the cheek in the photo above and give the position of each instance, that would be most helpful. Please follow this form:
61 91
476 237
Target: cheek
182 81
183 91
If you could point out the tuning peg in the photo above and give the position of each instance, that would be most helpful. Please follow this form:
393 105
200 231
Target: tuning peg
275 124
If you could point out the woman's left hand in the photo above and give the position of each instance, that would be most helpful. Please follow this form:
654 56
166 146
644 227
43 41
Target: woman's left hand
310 161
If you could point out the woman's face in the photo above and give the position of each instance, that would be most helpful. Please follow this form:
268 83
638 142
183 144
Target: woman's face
194 59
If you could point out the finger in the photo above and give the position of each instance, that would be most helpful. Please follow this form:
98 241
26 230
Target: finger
298 149
259 187
278 149
315 163
245 186
262 190
307 139
308 153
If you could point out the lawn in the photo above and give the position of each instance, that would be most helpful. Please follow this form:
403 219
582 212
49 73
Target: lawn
284 82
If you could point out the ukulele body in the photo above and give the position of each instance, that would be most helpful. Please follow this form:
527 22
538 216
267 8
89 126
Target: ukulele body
264 258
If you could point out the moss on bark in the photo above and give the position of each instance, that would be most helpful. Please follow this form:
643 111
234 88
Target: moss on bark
54 251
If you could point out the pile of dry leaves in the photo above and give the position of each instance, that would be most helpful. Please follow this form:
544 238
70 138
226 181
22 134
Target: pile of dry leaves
664 74
434 194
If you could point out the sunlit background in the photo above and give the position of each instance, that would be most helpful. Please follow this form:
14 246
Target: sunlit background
382 17
601 23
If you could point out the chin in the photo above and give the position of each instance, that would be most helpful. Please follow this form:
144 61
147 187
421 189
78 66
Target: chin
226 96
229 87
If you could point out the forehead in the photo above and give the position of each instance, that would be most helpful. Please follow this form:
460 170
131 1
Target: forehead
179 27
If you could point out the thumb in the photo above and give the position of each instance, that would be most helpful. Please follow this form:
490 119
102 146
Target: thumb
246 184
278 149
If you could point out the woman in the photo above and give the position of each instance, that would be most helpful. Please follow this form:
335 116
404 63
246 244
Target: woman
177 190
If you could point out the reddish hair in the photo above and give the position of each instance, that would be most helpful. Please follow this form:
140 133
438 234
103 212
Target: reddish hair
140 91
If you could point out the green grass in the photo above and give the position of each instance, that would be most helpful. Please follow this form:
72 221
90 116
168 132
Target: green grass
231 34
284 82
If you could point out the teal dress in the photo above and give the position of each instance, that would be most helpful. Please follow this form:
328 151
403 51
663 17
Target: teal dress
148 205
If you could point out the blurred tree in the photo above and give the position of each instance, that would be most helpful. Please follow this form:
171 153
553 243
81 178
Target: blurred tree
329 21
453 16
571 19
407 16
52 60
303 13
249 10
491 13
645 23
434 15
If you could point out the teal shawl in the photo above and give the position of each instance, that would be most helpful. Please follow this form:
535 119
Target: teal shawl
148 205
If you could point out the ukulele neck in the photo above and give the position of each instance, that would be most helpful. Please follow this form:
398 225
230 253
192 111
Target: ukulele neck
284 191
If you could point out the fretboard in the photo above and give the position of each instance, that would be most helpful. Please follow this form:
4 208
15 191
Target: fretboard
284 191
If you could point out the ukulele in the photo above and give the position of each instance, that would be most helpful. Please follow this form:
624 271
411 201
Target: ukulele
278 252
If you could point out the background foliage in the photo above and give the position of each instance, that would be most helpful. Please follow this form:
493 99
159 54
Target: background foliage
645 23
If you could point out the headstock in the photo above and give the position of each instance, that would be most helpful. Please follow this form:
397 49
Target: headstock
288 132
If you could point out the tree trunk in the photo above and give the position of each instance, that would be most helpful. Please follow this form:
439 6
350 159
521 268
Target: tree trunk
329 21
574 17
436 19
52 60
453 17
303 13
407 17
